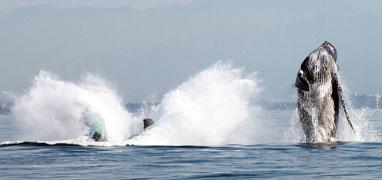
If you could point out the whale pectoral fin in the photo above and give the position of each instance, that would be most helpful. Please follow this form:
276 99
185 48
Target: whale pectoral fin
341 98
336 100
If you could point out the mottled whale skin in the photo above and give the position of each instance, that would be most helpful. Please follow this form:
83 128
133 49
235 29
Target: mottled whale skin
319 94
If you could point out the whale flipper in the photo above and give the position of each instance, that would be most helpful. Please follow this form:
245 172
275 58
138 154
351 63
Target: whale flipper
342 98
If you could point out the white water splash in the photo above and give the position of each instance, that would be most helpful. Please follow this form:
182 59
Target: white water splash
365 131
53 109
211 108
361 119
205 110
294 132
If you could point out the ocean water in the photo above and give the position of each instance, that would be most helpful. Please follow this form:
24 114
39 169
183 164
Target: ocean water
284 160
210 126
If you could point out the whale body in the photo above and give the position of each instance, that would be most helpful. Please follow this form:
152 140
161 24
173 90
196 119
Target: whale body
319 95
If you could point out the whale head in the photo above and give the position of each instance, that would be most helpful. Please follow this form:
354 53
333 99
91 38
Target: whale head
317 67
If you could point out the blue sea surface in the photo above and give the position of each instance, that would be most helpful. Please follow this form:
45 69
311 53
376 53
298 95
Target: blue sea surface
349 160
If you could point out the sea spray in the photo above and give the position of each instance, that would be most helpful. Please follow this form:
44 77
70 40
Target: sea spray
207 109
365 131
53 109
361 119
294 132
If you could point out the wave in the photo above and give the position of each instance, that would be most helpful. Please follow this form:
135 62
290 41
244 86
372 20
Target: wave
84 141
31 143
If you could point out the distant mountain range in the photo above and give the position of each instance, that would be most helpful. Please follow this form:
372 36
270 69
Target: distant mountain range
356 100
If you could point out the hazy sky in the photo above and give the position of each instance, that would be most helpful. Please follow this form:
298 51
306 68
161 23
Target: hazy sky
146 46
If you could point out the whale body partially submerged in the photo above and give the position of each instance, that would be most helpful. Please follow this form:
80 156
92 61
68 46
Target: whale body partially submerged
98 135
147 123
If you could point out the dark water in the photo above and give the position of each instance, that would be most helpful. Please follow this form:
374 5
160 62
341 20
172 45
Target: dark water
355 160
348 160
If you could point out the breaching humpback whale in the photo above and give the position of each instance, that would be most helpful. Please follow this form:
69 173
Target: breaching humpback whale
320 95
